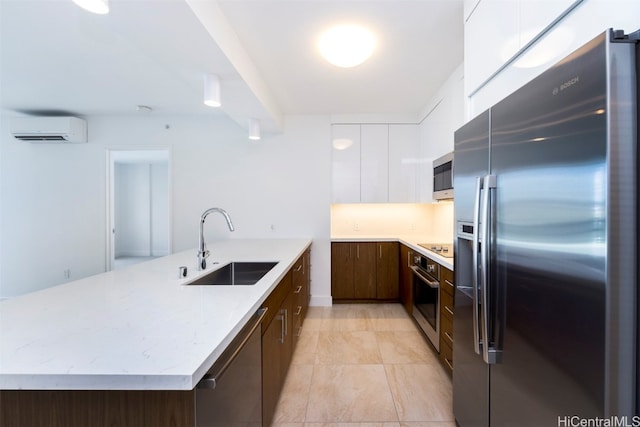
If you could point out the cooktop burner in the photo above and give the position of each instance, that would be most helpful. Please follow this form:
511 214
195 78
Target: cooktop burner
442 249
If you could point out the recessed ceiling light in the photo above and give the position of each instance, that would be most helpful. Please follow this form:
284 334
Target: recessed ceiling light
346 45
101 7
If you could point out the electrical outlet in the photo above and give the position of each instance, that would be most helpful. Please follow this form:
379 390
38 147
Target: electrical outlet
412 226
67 273
356 226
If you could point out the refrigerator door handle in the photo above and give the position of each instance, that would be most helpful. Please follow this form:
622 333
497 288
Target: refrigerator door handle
489 354
474 276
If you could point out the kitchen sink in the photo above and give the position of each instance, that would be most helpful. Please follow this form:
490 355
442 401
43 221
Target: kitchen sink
236 273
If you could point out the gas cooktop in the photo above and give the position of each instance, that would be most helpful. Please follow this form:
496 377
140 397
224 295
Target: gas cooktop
442 249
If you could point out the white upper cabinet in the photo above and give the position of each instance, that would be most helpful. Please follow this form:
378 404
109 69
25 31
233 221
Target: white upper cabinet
496 30
403 163
345 163
374 163
490 39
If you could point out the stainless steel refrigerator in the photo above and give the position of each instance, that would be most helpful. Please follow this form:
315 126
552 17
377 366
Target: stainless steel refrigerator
546 254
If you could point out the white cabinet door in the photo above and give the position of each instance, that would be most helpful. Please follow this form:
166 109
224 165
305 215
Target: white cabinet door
374 166
403 163
491 37
345 163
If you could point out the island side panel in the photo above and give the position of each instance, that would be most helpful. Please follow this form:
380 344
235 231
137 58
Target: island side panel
97 408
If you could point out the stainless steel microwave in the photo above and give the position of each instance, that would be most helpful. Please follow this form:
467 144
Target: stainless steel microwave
443 177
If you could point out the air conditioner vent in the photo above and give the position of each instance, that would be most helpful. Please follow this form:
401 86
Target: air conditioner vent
40 138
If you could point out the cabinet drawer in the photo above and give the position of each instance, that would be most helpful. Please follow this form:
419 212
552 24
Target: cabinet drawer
446 279
446 356
446 305
446 330
298 272
275 299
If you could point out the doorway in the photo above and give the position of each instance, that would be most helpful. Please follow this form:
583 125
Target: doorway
138 206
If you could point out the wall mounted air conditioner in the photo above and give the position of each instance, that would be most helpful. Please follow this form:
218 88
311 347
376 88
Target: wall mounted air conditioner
49 129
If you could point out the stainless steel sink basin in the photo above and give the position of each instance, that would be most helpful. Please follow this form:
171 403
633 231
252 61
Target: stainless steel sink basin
236 273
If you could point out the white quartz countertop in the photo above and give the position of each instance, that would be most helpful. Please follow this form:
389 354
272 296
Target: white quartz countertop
410 241
139 328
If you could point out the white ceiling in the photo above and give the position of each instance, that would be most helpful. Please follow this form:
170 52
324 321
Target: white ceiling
56 58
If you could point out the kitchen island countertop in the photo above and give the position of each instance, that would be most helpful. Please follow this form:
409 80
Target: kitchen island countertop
139 328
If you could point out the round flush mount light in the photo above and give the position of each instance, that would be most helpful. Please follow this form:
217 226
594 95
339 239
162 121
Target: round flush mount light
101 7
346 45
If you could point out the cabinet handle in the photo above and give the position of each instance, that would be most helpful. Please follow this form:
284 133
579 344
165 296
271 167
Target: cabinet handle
446 307
448 363
299 268
283 328
449 336
299 310
380 250
448 283
298 289
358 251
286 321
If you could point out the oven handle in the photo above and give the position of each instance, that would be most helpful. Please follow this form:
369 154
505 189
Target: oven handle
432 283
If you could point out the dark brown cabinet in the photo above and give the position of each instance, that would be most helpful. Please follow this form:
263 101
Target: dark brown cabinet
446 318
387 271
364 271
287 306
301 294
406 278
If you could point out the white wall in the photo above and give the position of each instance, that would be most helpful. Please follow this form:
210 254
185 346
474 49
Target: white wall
428 222
54 203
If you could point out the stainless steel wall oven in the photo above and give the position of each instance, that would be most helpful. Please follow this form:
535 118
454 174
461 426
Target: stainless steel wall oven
426 297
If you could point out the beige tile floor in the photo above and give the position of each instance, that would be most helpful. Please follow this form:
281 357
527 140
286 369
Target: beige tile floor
364 365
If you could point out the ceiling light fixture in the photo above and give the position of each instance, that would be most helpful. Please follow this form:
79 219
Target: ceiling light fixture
212 90
254 129
101 7
346 45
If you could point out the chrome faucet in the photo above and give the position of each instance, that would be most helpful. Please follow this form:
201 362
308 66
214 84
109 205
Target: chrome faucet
203 253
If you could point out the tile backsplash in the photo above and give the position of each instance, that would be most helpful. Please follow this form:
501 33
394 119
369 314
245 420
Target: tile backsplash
433 222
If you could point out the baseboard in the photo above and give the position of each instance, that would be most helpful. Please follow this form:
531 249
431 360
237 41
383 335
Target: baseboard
321 301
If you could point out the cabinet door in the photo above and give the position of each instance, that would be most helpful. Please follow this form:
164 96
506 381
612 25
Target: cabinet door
287 311
342 284
374 173
364 271
387 272
307 283
272 374
406 278
345 163
403 163
491 37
